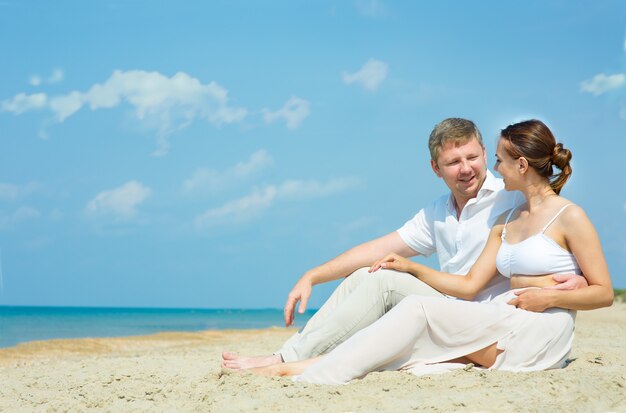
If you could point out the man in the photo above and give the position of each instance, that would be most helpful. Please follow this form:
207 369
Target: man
455 226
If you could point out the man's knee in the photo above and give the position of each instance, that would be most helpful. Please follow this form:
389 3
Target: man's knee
389 278
400 283
357 277
360 273
354 280
380 281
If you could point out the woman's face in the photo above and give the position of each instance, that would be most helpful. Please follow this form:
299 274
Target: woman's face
507 166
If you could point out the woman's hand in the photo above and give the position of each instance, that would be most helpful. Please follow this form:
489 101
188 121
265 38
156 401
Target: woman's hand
392 261
533 299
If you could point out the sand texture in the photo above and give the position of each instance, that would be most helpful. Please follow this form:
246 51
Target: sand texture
180 372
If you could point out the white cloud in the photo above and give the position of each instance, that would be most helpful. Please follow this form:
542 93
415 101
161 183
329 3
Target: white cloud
65 106
238 210
152 93
602 83
370 76
121 202
251 205
22 102
372 8
622 113
298 190
258 161
205 179
293 112
24 213
164 103
34 80
56 76
10 192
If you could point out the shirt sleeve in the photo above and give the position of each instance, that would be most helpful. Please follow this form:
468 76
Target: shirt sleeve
418 233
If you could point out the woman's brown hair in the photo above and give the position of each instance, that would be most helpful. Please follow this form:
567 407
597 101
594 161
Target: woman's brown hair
533 140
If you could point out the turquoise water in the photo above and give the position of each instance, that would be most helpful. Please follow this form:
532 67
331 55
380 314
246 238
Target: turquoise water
23 324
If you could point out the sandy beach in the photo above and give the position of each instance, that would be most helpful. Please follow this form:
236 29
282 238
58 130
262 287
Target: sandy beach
181 372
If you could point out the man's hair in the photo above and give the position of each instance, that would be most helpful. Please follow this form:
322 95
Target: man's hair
452 130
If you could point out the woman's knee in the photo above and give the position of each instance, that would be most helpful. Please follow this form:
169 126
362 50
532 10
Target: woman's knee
414 301
410 309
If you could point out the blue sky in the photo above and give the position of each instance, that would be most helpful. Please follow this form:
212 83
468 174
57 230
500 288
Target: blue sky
206 154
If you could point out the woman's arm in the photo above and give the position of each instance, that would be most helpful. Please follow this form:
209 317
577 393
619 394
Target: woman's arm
582 240
465 287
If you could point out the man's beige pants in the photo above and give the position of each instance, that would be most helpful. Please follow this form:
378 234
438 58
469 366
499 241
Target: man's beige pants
358 301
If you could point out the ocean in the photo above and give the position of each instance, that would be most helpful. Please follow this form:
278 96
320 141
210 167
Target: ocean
23 324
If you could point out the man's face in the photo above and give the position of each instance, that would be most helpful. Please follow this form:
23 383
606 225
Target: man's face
463 168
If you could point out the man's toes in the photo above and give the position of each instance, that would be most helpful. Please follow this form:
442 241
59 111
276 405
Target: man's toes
227 355
231 365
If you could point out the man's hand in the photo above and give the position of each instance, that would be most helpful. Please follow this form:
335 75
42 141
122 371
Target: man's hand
568 282
300 292
533 299
392 261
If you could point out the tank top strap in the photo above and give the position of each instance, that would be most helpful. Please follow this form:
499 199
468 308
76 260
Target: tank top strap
554 218
508 217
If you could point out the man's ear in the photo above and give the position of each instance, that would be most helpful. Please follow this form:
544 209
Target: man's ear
433 165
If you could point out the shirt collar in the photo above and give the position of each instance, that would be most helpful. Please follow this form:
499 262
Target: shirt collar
489 185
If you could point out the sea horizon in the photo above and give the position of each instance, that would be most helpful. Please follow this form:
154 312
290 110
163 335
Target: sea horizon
133 307
21 324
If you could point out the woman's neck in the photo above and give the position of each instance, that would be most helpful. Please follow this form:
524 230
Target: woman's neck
537 193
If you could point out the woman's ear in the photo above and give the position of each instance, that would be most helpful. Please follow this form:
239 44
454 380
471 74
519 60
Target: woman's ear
522 164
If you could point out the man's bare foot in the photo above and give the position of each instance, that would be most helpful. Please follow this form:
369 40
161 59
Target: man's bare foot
284 369
281 369
235 362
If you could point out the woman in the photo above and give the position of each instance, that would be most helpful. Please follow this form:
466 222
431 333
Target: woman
547 235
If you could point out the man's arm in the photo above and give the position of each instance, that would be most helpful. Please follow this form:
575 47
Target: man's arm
568 282
362 255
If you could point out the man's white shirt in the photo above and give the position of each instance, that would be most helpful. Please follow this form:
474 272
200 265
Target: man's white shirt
458 242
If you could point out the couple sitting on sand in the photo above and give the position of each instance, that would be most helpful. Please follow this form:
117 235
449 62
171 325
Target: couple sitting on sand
519 258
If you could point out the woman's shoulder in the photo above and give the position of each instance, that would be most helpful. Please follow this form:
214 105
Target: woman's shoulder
572 213
569 208
511 214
